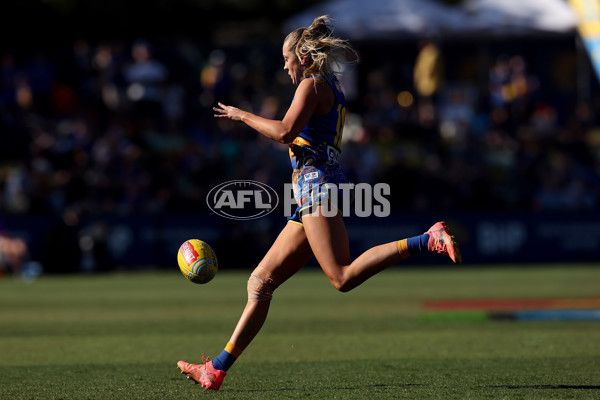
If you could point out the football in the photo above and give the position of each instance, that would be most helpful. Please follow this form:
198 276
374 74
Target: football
197 261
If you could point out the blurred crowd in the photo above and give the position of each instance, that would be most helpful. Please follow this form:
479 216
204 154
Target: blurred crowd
127 128
112 129
513 141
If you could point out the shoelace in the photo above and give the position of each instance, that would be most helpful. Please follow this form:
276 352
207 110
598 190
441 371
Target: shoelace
205 359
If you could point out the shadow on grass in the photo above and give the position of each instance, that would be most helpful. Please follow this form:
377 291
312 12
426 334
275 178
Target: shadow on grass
378 386
413 385
581 387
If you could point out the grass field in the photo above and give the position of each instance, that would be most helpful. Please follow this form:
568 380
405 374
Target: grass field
119 336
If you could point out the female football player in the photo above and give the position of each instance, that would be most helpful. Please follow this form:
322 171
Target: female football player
312 126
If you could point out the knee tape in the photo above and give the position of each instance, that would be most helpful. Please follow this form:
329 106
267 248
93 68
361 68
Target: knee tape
260 288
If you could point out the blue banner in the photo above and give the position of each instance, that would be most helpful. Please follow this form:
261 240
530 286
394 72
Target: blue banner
137 242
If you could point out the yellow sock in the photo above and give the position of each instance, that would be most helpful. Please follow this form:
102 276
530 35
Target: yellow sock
231 349
225 360
403 248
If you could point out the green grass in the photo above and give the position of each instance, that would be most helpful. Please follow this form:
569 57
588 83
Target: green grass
119 336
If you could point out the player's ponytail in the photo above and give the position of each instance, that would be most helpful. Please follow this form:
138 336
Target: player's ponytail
322 48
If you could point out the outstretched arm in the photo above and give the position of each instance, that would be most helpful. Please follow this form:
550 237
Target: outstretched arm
304 105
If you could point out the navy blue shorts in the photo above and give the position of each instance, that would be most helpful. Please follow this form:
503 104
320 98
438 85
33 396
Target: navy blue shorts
314 181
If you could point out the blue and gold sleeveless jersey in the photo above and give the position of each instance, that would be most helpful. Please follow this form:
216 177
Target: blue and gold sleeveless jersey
314 156
323 133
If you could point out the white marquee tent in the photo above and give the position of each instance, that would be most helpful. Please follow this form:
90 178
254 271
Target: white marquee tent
389 19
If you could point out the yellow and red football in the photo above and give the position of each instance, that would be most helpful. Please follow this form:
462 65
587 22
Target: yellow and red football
197 261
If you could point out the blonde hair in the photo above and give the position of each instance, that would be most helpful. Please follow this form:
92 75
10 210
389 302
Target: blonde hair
323 49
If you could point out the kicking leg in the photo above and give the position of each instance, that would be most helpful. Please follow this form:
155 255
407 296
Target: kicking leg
285 257
289 253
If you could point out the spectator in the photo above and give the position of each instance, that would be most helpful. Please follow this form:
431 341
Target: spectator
13 254
145 78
